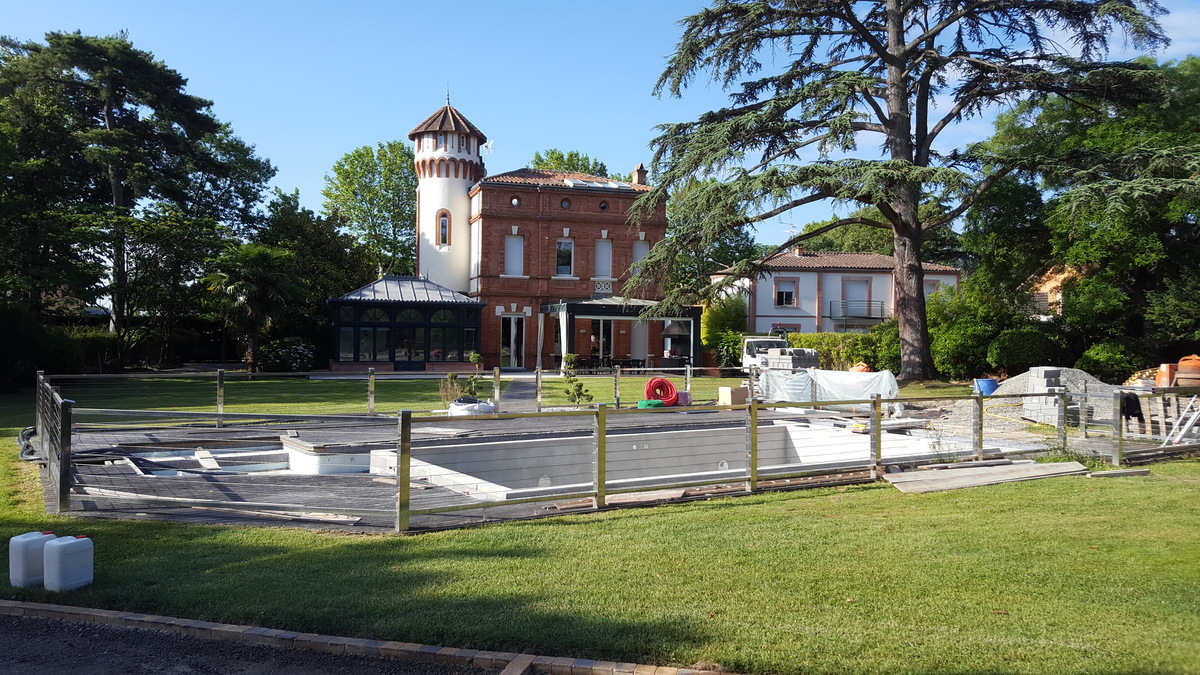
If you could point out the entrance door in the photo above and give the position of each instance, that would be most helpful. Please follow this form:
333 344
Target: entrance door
512 341
640 339
602 346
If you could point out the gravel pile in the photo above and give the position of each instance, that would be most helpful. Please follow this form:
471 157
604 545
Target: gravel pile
1073 379
1004 406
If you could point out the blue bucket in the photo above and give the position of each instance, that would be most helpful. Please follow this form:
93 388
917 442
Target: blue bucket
986 386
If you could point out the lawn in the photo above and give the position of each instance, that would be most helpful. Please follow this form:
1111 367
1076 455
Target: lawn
1064 575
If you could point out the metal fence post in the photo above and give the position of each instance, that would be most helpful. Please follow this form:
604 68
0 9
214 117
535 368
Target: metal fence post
600 462
220 396
687 378
1062 419
750 382
978 433
1083 413
876 435
64 453
39 411
1118 430
496 388
617 386
370 391
752 445
537 384
403 470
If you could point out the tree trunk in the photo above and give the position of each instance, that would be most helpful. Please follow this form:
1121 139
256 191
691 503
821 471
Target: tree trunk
251 347
120 269
916 360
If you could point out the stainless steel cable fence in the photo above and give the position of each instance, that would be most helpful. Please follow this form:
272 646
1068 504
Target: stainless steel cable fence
414 472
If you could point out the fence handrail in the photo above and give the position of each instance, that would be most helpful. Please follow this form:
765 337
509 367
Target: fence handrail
55 414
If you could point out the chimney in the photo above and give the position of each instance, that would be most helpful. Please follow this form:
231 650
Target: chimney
639 175
798 250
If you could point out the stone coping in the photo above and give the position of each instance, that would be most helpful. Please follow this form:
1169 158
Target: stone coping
510 663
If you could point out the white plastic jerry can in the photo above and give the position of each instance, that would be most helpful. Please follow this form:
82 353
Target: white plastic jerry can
25 558
68 562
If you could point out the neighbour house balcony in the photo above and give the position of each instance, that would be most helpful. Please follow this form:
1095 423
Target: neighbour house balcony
873 310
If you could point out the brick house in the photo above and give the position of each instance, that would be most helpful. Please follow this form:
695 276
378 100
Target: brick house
542 255
826 291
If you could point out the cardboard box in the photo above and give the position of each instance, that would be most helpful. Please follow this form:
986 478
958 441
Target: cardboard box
731 395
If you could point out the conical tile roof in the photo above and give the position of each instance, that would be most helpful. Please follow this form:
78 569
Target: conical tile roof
450 120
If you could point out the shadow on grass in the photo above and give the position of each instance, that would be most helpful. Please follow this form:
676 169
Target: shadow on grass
455 591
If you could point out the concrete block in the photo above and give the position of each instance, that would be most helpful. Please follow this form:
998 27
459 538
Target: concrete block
732 395
1045 371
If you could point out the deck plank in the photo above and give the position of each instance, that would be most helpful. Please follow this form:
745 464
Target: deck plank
934 481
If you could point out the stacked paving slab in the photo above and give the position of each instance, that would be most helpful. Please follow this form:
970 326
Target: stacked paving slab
1046 409
793 358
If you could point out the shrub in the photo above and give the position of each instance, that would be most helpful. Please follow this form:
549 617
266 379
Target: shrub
1018 349
27 346
722 315
838 351
729 349
881 349
1111 362
287 355
98 347
960 348
449 389
575 391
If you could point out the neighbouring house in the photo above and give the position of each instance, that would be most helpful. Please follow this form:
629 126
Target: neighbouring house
825 291
524 266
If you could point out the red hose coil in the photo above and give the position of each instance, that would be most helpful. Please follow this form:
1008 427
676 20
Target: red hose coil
661 389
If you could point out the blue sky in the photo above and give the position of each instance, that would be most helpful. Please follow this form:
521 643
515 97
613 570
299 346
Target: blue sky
307 81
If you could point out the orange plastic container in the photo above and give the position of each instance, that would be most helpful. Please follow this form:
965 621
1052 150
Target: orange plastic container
1188 374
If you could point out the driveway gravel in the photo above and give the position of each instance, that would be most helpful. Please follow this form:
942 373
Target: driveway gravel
32 646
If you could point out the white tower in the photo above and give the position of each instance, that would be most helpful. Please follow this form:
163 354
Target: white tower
448 162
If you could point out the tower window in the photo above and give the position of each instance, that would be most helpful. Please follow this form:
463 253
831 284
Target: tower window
442 141
516 201
566 203
603 206
443 228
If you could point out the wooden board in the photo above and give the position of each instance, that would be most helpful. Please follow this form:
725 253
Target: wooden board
934 481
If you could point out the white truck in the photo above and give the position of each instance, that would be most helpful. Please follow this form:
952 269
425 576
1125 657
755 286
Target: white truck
761 351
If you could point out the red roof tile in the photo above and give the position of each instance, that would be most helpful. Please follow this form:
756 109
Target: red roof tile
447 119
789 260
560 178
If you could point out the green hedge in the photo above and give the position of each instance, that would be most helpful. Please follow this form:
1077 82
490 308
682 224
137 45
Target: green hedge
838 351
1111 362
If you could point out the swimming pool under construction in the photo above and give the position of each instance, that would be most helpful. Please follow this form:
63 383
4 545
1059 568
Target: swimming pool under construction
339 471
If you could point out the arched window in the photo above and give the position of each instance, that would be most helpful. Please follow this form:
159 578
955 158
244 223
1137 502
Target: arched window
444 316
374 315
409 316
443 228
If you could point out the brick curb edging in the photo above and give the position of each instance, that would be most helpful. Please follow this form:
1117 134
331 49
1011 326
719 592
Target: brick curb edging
510 663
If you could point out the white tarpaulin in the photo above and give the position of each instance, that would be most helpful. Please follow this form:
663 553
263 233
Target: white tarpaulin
830 385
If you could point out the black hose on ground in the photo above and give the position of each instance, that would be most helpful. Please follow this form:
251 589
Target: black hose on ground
29 452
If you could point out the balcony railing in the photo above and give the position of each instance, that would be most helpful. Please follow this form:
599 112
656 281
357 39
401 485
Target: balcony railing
858 309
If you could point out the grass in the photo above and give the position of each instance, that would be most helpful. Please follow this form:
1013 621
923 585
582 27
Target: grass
1066 575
